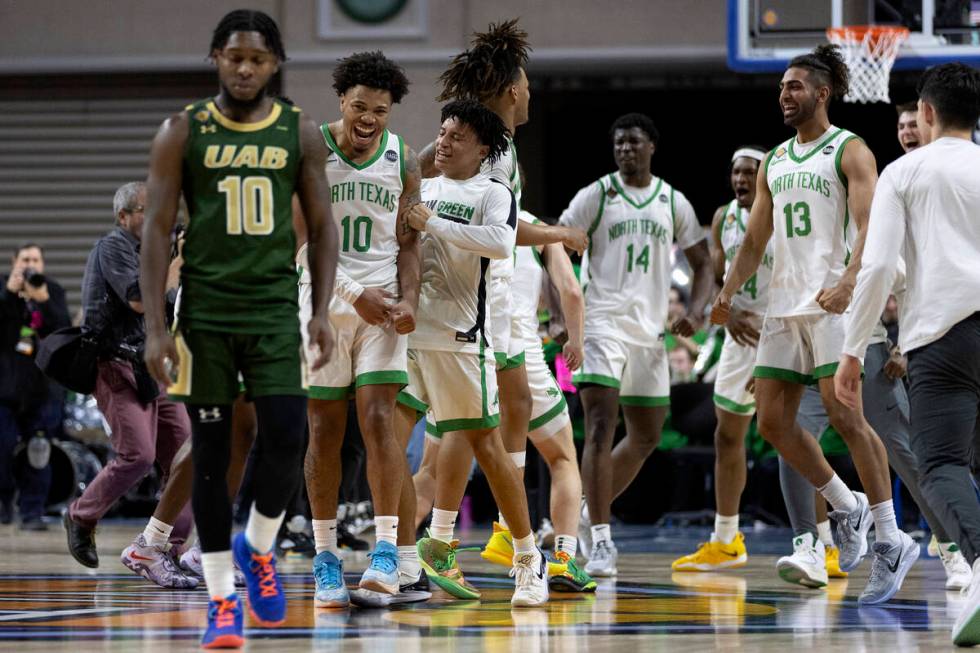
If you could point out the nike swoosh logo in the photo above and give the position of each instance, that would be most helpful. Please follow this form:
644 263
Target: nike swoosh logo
731 555
894 568
136 556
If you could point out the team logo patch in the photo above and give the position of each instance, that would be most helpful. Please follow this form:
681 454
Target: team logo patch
780 153
731 218
391 155
828 149
611 193
663 198
202 116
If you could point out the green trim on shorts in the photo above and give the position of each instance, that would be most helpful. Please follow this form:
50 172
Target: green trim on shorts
330 394
504 363
546 417
395 377
431 430
779 374
648 402
469 424
825 370
598 379
417 405
732 407
485 408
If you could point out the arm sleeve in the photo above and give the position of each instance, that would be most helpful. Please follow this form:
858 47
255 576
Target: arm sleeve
495 238
120 268
585 207
886 235
687 229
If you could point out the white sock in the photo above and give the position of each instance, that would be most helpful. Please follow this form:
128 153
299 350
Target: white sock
726 528
886 528
838 495
325 536
443 524
566 543
408 561
156 532
519 458
825 534
601 533
524 544
219 574
386 530
260 531
502 521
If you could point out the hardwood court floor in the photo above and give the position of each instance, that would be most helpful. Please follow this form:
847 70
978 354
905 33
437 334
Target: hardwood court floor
49 603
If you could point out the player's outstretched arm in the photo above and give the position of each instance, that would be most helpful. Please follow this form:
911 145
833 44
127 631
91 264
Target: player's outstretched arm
861 172
163 185
573 238
562 276
746 262
313 191
409 255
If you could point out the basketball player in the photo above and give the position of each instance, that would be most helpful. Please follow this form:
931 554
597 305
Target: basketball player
374 180
925 207
467 218
633 218
237 159
734 404
908 126
808 191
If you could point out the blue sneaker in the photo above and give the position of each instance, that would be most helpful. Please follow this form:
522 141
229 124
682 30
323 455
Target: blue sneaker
382 575
328 574
224 624
266 600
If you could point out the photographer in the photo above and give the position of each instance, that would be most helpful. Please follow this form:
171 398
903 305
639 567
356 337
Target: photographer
31 307
146 427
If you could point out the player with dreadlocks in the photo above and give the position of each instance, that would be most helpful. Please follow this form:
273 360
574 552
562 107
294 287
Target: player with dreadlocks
493 72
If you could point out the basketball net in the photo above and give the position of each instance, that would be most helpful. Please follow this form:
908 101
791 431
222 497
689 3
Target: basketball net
870 52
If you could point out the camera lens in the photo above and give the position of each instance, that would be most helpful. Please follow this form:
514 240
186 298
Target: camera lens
34 278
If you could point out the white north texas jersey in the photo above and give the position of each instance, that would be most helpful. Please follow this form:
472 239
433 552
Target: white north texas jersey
364 202
475 220
631 231
810 221
505 170
754 295
525 288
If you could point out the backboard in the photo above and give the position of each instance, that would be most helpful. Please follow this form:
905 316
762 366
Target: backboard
763 35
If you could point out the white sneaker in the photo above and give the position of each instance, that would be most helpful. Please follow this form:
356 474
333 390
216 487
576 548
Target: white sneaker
190 563
966 629
584 531
807 566
958 571
852 532
602 562
530 572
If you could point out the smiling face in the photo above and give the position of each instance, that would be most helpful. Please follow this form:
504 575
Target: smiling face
632 150
744 171
908 131
365 115
245 66
459 152
799 97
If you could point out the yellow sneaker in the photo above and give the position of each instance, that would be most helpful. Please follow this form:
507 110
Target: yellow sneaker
833 563
712 556
500 551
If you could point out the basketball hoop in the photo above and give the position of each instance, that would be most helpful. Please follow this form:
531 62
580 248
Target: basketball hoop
870 52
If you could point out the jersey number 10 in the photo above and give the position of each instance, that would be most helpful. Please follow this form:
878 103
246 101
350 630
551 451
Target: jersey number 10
248 205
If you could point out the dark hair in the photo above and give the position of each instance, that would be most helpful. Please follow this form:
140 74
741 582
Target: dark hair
489 128
630 120
493 62
24 246
371 69
248 20
826 64
906 107
953 89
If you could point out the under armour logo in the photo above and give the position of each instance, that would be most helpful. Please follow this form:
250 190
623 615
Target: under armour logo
209 129
207 416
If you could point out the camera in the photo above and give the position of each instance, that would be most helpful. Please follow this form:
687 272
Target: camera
34 278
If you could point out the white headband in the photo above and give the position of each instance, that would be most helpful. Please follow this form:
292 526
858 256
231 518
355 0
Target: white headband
749 152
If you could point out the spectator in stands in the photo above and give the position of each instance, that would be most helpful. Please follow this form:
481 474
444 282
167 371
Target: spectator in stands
146 427
31 307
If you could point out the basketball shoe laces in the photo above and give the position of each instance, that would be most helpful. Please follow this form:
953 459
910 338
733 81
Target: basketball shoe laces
328 575
224 615
523 572
387 561
266 573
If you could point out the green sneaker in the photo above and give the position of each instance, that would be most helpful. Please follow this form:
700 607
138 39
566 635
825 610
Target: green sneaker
573 579
439 563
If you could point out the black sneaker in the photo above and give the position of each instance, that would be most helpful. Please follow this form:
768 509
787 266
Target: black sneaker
81 543
346 539
420 584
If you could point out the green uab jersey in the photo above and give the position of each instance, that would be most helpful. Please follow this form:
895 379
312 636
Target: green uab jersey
238 274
